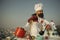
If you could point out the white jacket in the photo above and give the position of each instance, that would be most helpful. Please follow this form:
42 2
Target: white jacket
45 22
33 29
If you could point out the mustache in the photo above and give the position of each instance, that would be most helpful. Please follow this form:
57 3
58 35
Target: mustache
41 15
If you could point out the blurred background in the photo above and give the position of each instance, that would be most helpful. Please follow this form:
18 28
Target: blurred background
15 13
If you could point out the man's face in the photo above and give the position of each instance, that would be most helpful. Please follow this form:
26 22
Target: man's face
39 12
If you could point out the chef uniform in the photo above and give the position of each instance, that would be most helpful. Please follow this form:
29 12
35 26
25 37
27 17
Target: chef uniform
33 26
41 20
39 7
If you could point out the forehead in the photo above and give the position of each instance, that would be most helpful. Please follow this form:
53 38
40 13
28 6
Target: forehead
40 11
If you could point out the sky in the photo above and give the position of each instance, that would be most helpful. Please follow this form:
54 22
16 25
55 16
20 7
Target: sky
15 13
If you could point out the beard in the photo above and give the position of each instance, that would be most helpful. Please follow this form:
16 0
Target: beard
41 15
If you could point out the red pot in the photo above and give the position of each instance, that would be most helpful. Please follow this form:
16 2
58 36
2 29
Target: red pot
20 32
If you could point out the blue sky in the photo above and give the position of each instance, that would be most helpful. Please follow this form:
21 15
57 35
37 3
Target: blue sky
16 12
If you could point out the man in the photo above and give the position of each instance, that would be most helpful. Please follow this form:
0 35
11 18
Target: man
45 24
39 14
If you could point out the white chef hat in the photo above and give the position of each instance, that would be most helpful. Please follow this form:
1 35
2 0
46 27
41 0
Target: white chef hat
38 6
